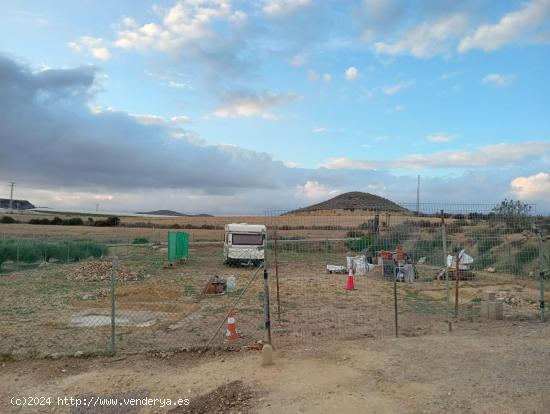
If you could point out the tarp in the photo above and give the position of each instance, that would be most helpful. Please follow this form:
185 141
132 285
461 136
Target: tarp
464 262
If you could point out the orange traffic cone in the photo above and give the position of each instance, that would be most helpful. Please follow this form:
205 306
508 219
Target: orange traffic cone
231 332
351 283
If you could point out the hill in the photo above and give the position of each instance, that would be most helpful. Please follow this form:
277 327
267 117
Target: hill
172 213
354 200
17 204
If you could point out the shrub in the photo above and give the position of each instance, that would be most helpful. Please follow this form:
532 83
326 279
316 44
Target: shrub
7 220
526 254
74 221
354 233
112 221
140 240
56 221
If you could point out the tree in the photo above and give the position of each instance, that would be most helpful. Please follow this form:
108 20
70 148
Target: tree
514 213
513 208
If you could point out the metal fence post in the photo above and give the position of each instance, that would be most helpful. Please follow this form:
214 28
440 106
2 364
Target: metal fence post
267 320
395 301
444 238
277 276
541 273
113 304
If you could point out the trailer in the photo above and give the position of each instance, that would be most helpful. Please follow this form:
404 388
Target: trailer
244 244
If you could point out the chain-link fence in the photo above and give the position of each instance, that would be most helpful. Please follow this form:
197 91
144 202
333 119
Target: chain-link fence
57 292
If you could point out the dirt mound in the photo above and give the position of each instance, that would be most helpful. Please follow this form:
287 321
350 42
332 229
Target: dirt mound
95 271
354 200
234 397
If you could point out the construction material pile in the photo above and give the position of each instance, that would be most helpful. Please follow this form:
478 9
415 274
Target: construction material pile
95 271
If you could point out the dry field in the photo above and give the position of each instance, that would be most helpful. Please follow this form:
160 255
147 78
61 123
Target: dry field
336 349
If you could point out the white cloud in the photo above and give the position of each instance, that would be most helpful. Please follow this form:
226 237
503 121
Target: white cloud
351 73
509 28
312 190
327 77
533 187
320 130
494 155
277 8
180 119
498 79
188 22
427 39
94 46
147 119
292 164
349 164
392 90
439 137
244 105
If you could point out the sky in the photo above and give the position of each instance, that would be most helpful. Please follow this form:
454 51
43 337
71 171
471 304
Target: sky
237 107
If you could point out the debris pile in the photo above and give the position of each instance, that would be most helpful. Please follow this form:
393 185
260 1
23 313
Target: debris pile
234 397
95 271
215 285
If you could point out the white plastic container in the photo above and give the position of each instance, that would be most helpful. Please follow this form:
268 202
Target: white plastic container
231 284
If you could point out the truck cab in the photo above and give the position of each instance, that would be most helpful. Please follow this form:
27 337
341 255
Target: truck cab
244 244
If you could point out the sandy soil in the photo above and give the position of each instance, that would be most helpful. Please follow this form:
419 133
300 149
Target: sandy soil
500 367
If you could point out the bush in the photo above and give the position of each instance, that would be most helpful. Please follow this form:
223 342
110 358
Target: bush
7 220
354 233
56 221
140 240
112 221
526 254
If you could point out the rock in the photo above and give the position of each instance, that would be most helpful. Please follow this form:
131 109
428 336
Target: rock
55 355
490 270
78 354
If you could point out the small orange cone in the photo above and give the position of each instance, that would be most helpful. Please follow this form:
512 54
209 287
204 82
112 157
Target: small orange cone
231 335
351 283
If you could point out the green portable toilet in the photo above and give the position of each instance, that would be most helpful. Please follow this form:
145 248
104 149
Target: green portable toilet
178 246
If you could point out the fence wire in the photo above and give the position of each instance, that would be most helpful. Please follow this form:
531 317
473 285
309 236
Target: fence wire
56 291
496 251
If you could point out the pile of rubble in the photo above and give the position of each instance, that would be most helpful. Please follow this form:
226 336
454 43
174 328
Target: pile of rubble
95 271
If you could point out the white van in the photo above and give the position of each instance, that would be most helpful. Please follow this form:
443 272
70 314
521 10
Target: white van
244 244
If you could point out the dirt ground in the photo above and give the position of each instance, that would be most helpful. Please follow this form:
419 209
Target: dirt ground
46 310
500 367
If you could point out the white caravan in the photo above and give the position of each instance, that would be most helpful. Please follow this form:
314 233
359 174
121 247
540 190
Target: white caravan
244 244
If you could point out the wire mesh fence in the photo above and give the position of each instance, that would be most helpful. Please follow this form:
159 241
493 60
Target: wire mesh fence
57 295
424 265
50 306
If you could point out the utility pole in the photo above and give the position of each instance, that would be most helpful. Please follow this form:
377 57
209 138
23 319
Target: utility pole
12 184
418 196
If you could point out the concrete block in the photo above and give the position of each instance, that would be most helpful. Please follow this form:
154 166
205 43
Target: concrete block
267 355
484 311
488 295
492 310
